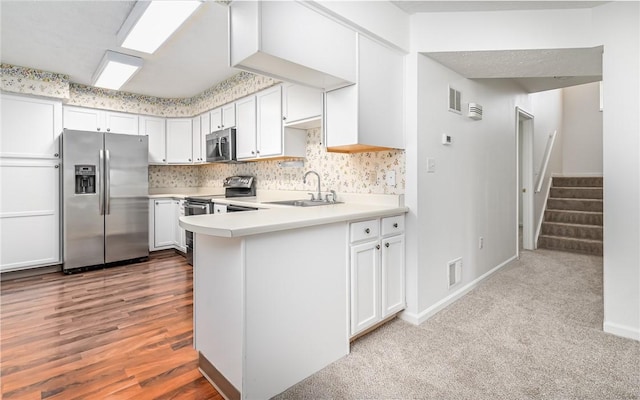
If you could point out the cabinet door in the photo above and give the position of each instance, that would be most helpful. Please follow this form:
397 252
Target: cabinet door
196 143
269 122
164 223
380 94
205 129
180 237
30 221
246 128
179 141
83 119
219 208
123 123
216 119
155 128
341 117
301 103
365 286
393 267
229 115
30 128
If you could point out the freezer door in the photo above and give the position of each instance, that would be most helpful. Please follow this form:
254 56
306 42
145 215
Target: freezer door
83 226
126 197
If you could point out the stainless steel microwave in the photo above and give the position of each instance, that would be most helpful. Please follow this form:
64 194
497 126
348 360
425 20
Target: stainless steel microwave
221 145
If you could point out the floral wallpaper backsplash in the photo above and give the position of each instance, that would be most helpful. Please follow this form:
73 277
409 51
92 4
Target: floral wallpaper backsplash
345 173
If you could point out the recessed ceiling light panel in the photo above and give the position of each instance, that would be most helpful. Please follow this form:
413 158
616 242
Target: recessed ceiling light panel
150 23
115 70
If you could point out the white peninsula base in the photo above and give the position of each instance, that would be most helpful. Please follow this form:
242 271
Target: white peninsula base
270 309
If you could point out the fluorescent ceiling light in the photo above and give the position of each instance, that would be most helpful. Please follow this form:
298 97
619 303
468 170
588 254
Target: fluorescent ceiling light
115 70
150 23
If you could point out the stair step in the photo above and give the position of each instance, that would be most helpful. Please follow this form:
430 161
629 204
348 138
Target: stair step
577 181
575 193
577 231
573 217
584 246
574 204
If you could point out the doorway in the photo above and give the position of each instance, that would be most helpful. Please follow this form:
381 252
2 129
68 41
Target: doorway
524 187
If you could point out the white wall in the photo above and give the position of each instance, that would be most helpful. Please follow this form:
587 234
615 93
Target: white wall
473 191
582 130
547 108
618 26
614 25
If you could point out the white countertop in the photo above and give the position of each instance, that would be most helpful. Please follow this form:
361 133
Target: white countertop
279 218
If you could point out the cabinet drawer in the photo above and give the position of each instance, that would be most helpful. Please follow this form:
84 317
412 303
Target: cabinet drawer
364 230
392 225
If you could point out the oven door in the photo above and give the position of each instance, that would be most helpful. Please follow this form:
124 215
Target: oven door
221 146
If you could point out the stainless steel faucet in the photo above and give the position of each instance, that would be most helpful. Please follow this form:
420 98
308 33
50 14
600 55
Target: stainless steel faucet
304 180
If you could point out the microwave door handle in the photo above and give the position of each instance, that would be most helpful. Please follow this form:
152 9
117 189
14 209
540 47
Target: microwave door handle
220 146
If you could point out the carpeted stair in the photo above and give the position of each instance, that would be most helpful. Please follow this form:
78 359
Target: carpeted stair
573 218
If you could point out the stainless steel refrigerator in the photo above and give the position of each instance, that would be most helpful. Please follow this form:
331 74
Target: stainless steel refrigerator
105 196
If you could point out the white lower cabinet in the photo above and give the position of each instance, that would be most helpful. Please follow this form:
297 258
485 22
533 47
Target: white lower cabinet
377 262
164 229
30 221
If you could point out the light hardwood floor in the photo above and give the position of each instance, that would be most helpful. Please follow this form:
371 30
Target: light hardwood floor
118 333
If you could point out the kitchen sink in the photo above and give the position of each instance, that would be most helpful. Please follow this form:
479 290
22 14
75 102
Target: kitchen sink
302 203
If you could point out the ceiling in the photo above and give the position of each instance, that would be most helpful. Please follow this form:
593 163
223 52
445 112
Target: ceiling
70 37
412 7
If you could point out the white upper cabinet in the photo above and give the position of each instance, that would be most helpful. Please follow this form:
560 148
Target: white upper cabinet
301 106
223 117
259 130
30 127
269 122
246 128
368 116
290 41
179 141
155 128
89 119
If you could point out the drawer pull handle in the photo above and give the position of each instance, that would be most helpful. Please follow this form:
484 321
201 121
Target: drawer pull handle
395 225
386 245
367 231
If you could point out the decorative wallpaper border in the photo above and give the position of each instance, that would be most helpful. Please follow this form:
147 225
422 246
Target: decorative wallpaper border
26 80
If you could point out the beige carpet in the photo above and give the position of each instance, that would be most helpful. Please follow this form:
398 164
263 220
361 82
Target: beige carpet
531 331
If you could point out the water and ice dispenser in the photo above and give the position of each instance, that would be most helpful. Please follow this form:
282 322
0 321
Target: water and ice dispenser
85 179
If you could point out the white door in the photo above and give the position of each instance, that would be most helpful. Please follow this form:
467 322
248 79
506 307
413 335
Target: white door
196 141
269 122
216 119
123 123
164 223
525 189
180 236
83 119
30 128
392 267
30 221
246 128
179 141
155 128
229 115
300 103
365 286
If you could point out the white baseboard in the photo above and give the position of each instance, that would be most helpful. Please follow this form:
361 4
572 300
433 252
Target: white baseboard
621 330
417 319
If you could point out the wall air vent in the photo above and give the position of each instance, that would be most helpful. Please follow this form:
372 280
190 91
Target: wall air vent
475 111
455 100
454 271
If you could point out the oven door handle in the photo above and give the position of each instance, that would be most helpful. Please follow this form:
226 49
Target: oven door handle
195 206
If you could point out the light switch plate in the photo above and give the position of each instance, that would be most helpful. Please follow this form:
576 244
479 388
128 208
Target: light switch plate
391 178
431 165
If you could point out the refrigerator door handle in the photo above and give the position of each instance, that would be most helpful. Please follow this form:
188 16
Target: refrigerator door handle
101 187
107 182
